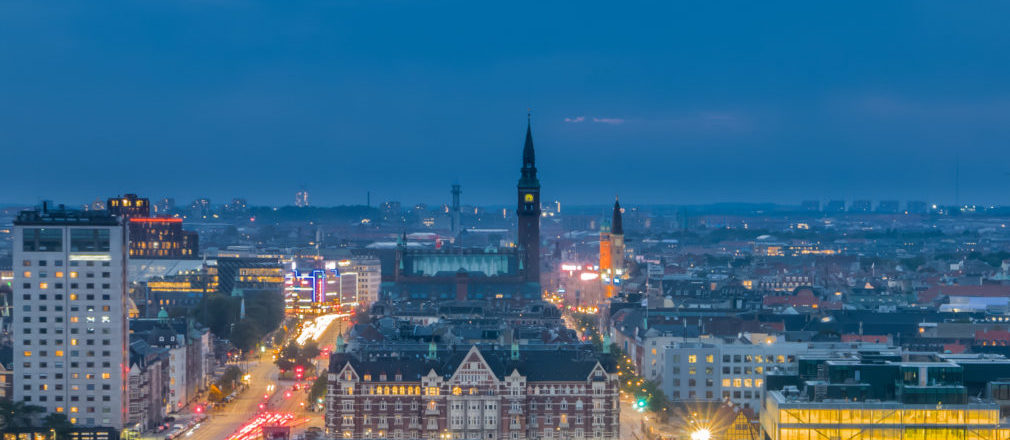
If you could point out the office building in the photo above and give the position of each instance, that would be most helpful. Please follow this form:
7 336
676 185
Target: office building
129 206
881 399
714 369
70 338
162 237
153 237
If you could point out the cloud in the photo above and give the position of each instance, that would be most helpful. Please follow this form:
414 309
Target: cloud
611 121
576 119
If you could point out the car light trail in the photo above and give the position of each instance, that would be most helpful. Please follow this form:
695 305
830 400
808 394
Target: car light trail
254 429
314 329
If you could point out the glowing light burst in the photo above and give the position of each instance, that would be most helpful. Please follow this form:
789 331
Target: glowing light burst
701 434
314 329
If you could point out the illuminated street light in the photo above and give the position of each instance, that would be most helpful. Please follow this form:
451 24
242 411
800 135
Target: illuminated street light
701 434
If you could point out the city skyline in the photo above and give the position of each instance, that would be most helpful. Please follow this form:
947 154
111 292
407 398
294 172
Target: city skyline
696 103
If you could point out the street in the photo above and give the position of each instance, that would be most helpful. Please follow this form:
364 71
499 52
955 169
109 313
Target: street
223 422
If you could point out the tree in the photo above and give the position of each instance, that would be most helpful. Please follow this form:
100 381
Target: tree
231 375
288 356
218 313
215 394
17 414
58 423
309 351
317 391
246 334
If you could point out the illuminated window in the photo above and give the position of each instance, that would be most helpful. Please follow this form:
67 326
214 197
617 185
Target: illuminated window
74 319
759 382
737 382
59 409
710 359
748 383
726 382
73 274
73 409
28 274
59 274
59 353
456 391
73 297
28 353
107 375
368 378
691 359
43 285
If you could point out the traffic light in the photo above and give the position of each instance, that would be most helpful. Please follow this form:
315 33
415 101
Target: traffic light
198 409
299 370
640 404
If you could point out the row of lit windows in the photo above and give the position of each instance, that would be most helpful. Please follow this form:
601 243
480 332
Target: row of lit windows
890 416
742 383
59 263
44 285
759 359
891 434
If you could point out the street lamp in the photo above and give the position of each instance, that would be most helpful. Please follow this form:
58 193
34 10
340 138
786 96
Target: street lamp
701 434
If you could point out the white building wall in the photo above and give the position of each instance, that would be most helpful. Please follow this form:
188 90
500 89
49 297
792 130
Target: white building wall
177 390
70 334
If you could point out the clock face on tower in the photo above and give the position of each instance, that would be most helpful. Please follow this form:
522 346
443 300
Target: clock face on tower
528 198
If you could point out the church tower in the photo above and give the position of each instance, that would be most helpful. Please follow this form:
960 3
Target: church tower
528 210
617 240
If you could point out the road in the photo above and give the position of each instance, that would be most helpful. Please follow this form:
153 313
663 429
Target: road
224 421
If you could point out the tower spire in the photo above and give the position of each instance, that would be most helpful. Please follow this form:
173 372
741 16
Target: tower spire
529 156
616 223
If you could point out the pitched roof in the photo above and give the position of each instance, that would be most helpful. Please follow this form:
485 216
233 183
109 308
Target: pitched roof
536 365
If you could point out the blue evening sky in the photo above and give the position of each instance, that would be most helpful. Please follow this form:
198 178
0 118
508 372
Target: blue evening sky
661 102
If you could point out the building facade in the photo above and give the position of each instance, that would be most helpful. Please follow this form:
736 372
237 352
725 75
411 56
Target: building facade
70 338
162 237
487 394
735 371
788 417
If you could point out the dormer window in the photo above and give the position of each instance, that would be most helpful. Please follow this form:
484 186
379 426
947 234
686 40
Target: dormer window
368 378
382 377
399 377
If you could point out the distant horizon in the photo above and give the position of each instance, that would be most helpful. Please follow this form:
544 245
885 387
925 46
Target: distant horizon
182 204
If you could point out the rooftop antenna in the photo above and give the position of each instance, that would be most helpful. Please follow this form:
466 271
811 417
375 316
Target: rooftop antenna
957 180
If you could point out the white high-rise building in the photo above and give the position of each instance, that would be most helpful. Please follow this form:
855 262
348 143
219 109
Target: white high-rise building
71 330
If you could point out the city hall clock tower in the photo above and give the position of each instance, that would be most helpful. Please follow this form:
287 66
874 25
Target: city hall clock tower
528 211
